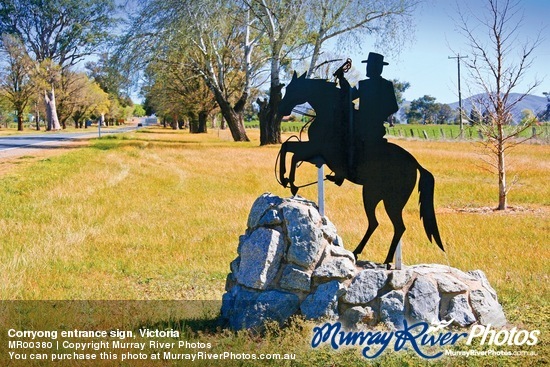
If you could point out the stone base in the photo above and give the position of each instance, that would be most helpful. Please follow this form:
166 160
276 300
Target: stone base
292 262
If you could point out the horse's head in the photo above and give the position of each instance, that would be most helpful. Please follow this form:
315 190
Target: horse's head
294 95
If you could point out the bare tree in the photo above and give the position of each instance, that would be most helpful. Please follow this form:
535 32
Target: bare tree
16 79
499 60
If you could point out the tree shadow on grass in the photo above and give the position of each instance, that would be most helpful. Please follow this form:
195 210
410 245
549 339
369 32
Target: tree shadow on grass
110 143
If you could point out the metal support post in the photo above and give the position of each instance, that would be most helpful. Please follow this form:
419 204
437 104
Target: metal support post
321 189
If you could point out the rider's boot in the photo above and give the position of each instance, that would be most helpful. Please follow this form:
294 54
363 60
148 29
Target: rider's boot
284 182
338 180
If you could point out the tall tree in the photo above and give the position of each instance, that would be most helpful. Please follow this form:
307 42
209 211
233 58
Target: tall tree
307 25
280 21
350 20
499 60
172 82
422 110
400 88
475 117
544 115
63 31
89 100
72 90
444 113
16 79
213 40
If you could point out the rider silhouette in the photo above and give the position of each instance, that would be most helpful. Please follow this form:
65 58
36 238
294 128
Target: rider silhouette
376 103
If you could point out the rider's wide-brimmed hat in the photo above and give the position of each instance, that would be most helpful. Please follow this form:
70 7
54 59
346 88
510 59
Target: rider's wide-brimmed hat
375 58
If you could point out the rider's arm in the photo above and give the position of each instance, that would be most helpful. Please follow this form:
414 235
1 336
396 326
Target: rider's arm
344 84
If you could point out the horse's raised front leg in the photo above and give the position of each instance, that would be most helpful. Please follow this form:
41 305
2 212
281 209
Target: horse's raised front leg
301 152
282 164
370 204
292 175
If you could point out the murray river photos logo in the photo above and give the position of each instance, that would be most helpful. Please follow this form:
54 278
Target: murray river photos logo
417 337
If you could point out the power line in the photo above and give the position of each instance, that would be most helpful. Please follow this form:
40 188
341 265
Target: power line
458 57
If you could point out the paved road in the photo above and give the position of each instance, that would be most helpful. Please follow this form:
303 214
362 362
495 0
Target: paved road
52 140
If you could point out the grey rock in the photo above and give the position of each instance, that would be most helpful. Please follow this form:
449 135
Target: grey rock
304 235
461 275
335 268
460 311
260 207
227 305
237 304
329 230
424 269
234 265
295 279
486 308
289 248
392 309
400 278
341 252
276 305
242 239
365 286
261 255
424 300
353 317
316 218
449 284
371 265
272 217
249 309
480 275
322 303
230 282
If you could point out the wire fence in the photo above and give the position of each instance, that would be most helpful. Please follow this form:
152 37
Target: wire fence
452 132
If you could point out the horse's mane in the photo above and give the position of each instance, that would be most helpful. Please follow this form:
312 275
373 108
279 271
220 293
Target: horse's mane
319 81
316 84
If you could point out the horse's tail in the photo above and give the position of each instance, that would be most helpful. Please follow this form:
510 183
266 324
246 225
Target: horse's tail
426 187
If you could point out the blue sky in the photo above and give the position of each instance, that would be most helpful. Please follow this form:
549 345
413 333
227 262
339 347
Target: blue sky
425 64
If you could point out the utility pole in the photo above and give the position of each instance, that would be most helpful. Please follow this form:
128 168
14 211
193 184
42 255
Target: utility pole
458 57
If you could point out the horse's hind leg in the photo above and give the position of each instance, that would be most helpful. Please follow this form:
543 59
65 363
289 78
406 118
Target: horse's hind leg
395 212
370 209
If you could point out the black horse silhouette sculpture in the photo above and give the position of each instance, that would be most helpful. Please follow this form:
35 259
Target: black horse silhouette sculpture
386 171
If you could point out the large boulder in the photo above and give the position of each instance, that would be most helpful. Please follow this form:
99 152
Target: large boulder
291 261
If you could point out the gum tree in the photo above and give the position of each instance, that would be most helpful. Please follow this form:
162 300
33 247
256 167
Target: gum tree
281 22
16 79
60 32
351 20
211 39
301 29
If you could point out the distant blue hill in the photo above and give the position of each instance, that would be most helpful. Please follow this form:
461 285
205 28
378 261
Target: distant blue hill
529 102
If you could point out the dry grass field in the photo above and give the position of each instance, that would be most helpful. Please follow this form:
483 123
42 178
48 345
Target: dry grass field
156 215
